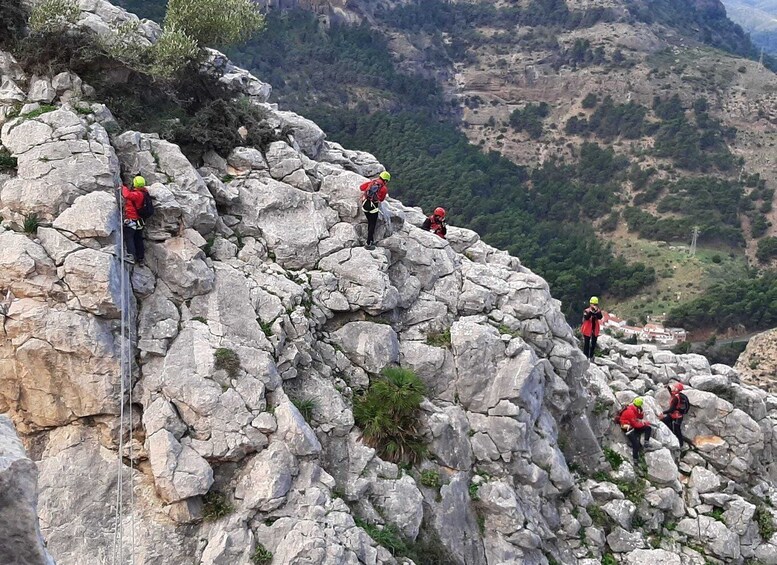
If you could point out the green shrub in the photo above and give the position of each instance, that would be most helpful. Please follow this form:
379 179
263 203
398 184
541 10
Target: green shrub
767 249
717 514
431 479
7 161
221 23
43 109
598 516
172 52
13 18
765 522
31 223
388 414
633 490
609 559
473 491
53 15
439 339
216 506
590 100
306 406
261 555
228 360
386 536
613 458
530 118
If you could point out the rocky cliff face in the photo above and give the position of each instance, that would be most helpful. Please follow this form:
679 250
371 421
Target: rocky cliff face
257 298
758 363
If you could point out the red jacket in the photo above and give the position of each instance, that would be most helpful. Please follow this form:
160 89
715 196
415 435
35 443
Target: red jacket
591 324
133 201
382 191
674 404
435 225
632 416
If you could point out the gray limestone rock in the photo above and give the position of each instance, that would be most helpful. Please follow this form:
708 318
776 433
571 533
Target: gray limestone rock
21 542
369 345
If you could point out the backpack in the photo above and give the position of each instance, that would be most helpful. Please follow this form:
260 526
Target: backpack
683 404
372 191
617 418
147 209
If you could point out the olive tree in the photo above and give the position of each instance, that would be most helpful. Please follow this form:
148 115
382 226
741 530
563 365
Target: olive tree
215 22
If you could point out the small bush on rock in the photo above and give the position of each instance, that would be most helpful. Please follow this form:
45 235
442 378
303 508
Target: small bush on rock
7 161
305 407
388 414
216 506
261 555
228 360
765 522
613 458
31 223
431 479
439 339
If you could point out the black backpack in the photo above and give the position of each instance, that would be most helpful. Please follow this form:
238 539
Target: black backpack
683 404
147 209
372 191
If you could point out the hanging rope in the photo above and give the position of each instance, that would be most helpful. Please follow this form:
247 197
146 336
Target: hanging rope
125 379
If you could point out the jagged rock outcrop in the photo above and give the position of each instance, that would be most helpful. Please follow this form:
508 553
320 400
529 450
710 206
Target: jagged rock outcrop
758 363
257 320
21 542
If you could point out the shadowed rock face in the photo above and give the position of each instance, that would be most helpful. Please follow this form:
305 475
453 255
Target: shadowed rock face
259 318
21 542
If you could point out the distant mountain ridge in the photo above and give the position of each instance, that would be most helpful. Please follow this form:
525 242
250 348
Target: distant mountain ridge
759 18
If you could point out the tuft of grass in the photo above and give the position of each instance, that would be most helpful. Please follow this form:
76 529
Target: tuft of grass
44 109
765 522
306 406
389 415
387 536
7 161
261 555
609 559
228 360
598 516
717 514
216 506
431 479
633 490
266 327
31 223
473 492
613 458
227 179
200 319
439 339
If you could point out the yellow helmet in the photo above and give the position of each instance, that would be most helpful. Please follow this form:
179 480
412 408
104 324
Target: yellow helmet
385 176
138 182
594 300
638 402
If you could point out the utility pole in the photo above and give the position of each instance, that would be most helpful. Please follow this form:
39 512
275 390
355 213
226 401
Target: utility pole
695 234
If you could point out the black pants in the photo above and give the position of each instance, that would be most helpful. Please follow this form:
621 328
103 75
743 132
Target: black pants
133 241
676 425
634 439
372 222
589 346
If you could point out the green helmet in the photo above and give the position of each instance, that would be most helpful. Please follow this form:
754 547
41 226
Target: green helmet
385 176
594 300
138 182
638 402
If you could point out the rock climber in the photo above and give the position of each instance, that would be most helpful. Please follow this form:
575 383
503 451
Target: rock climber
436 223
136 203
633 424
373 193
678 408
591 327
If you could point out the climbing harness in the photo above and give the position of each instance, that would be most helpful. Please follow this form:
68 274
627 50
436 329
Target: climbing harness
125 380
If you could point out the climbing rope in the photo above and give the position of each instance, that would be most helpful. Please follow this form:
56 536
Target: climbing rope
125 379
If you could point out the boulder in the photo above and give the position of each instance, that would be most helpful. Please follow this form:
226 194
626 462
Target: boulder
94 279
267 478
179 472
91 215
369 345
714 535
181 264
362 277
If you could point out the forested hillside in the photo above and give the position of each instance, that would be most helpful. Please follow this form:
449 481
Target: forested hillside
653 166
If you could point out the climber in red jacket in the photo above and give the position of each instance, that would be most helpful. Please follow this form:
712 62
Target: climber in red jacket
134 198
678 408
633 424
591 326
373 193
436 223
